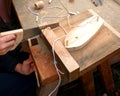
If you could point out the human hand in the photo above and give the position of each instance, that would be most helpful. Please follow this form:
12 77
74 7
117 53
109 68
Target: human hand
6 43
27 67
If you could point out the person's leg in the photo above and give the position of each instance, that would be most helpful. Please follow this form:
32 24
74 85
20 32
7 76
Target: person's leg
6 17
14 84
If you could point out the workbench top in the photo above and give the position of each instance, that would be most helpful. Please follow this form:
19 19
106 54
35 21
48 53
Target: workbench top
106 42
109 11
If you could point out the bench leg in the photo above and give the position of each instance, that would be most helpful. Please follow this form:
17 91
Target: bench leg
45 90
88 84
107 78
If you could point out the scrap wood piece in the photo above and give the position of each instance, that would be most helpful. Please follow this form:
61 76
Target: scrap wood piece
44 62
67 60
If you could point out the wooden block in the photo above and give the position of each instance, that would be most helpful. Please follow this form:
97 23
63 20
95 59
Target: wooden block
44 62
62 53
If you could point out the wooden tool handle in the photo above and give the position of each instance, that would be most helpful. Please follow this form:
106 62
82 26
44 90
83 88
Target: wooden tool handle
18 33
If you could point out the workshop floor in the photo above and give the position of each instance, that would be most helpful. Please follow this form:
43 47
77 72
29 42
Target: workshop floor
74 89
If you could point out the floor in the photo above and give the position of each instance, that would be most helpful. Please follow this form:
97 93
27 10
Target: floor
74 88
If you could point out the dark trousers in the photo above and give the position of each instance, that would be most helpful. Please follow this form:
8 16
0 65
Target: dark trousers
15 84
5 10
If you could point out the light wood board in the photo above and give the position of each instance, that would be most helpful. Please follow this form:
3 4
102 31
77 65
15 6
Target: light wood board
19 36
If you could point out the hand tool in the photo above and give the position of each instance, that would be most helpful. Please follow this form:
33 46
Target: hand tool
21 35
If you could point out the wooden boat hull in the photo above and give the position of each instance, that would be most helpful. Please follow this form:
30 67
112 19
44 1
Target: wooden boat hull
83 33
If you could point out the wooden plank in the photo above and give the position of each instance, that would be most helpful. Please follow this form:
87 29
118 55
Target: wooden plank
62 53
44 62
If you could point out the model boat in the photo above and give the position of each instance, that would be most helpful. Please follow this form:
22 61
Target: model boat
84 32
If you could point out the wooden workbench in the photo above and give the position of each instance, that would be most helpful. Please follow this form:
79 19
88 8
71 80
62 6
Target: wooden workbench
86 62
